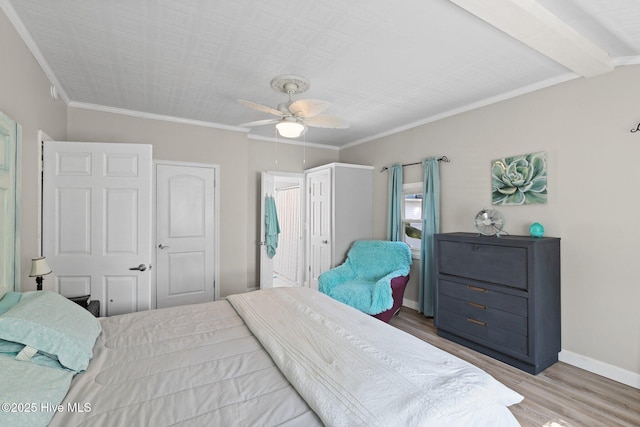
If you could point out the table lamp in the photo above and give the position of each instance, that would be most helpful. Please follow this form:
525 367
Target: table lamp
39 268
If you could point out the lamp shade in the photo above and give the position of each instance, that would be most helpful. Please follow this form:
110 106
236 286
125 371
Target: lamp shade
39 267
290 129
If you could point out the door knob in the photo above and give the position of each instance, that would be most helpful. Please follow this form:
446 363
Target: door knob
141 267
161 246
325 241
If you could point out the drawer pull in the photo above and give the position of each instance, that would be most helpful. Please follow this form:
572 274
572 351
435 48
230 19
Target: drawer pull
477 322
477 289
476 305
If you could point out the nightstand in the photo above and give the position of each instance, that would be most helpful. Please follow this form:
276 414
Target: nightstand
93 307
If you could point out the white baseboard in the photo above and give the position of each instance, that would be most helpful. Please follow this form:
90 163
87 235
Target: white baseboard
600 368
410 304
595 366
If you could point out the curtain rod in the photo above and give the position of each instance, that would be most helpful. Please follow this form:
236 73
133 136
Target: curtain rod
441 159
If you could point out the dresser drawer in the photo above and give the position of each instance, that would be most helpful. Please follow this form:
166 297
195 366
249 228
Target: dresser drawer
484 333
479 295
485 315
504 265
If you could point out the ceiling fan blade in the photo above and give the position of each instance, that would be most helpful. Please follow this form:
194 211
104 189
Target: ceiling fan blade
259 107
308 107
259 123
326 121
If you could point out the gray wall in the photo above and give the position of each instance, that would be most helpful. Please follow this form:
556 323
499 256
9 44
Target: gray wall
25 97
240 160
593 203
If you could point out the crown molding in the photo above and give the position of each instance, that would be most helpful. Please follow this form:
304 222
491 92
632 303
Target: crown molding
153 116
482 103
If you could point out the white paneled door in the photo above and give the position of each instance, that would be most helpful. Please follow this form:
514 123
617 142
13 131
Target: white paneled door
319 224
97 222
267 187
185 233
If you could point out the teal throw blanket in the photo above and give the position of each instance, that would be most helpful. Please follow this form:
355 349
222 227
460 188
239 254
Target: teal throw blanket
364 280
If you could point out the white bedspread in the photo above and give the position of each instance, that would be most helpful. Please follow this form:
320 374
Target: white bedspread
202 365
354 370
195 365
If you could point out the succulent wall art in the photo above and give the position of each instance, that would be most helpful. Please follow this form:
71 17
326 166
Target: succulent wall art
519 180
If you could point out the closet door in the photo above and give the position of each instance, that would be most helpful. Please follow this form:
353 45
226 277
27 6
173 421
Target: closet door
185 233
319 223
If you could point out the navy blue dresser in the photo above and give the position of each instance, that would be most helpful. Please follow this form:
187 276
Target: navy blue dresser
500 296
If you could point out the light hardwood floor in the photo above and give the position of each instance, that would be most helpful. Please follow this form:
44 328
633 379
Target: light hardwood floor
560 396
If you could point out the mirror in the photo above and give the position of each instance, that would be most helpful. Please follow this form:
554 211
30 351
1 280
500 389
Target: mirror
10 136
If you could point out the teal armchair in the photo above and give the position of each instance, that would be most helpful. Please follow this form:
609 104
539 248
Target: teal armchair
372 279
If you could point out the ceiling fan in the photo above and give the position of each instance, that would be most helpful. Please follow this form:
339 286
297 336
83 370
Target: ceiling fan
295 116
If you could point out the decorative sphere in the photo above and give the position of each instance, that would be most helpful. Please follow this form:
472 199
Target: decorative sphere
536 229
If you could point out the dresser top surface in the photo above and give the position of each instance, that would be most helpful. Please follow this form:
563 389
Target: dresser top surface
479 238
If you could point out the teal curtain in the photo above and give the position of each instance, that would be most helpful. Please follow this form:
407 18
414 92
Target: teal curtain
430 227
394 218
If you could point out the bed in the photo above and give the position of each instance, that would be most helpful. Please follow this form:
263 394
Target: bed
285 356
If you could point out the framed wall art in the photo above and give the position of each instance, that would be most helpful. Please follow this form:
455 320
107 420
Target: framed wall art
519 180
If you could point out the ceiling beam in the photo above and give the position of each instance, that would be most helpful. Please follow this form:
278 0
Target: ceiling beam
536 27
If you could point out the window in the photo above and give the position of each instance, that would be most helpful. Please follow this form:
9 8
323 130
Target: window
412 216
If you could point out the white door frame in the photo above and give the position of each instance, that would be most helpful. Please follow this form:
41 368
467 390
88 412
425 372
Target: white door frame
266 264
42 138
267 188
216 223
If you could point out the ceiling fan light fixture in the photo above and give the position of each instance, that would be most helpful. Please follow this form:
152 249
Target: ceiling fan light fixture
293 117
290 129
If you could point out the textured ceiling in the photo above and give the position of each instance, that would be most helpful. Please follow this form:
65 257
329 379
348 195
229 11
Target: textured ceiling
383 65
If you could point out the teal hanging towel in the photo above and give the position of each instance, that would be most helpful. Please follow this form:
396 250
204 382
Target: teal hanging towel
272 227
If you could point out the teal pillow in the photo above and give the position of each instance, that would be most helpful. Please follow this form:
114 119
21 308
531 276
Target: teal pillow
9 300
12 349
29 387
52 324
